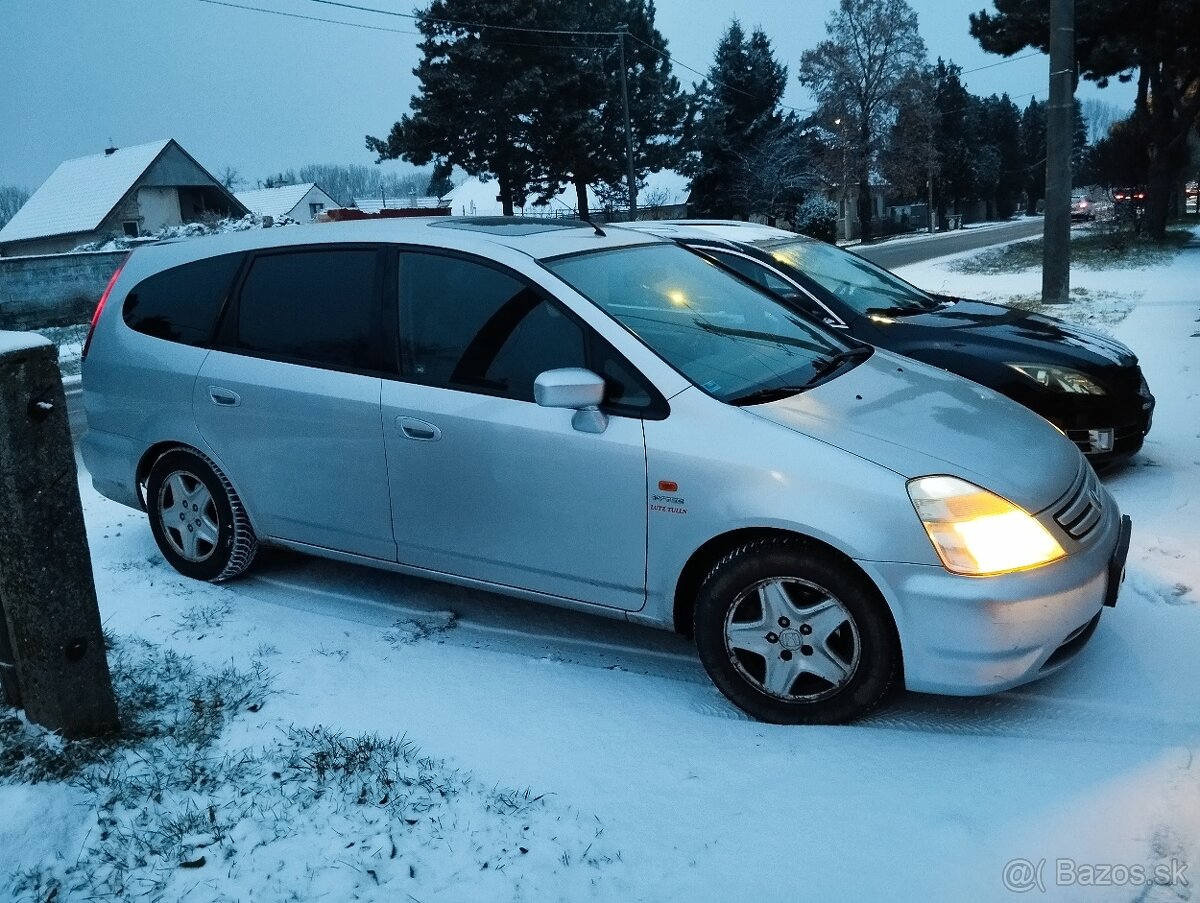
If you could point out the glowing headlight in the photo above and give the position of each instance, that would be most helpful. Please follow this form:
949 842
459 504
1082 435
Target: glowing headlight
977 533
1060 379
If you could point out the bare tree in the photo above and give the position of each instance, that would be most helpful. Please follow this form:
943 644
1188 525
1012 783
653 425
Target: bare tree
1100 116
856 75
12 199
231 178
773 176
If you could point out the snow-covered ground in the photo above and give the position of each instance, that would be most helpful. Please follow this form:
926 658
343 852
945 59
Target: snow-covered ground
552 756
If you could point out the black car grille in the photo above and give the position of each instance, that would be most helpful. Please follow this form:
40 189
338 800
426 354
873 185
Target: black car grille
1080 510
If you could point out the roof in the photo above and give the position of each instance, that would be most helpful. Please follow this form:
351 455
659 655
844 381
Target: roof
80 193
498 238
275 202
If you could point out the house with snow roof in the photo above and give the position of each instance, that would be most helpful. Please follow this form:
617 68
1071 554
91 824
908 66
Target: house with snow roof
127 191
301 202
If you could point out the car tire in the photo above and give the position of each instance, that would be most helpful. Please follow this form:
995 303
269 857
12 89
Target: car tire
792 635
197 518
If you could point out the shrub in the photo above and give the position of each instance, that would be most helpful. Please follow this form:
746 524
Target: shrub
817 218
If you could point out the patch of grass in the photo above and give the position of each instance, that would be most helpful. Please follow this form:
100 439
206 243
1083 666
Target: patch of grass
159 694
1099 247
1096 310
311 813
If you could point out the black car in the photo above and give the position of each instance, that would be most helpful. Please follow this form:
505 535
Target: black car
1087 384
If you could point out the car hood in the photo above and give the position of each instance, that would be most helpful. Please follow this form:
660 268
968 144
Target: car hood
1017 336
917 421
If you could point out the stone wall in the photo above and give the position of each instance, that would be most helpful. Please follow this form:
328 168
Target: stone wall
53 290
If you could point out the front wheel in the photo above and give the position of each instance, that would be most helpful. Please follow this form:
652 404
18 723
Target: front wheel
793 636
197 518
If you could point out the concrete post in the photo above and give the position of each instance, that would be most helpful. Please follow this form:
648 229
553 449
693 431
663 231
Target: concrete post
48 609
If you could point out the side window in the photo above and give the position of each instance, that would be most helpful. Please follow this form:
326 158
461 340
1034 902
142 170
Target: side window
756 272
470 327
182 304
312 307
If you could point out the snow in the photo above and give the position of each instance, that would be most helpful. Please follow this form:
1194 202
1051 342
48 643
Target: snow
20 341
631 777
81 192
275 202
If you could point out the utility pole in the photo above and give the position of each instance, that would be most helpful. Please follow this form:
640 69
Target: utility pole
54 662
622 31
1056 234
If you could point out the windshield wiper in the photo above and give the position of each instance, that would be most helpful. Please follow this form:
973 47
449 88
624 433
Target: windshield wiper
829 365
762 396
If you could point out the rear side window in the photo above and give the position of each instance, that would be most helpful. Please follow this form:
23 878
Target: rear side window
182 304
316 307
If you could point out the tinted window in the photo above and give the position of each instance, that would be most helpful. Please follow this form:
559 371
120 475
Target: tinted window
182 304
470 327
313 307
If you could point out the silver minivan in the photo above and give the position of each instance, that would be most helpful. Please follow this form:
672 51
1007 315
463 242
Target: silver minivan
606 421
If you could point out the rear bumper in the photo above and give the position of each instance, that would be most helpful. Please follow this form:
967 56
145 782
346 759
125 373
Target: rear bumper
967 636
111 460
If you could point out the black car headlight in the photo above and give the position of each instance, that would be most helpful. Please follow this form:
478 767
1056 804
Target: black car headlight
1060 379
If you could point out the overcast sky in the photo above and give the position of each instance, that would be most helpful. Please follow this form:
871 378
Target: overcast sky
265 92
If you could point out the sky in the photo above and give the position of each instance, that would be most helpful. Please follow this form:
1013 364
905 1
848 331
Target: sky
264 92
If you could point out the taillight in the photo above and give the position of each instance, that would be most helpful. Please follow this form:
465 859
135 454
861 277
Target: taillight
87 343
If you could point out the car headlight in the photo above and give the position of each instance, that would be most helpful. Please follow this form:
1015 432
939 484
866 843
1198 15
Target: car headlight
1060 379
977 533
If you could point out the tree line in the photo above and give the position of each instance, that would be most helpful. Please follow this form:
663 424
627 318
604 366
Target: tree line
535 92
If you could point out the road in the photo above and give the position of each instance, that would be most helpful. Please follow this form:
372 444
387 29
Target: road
887 254
902 252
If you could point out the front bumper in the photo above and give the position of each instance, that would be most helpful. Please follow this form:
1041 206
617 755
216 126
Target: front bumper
967 636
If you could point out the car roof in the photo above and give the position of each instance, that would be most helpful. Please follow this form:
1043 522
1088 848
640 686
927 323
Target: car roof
729 230
533 236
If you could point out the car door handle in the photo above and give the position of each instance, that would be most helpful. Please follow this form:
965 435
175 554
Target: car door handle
226 398
418 429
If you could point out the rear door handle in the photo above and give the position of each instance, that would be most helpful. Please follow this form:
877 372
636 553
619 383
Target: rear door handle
421 430
226 398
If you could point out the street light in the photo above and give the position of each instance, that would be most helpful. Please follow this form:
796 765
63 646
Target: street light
845 205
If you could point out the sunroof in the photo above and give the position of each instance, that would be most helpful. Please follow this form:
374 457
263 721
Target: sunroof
508 225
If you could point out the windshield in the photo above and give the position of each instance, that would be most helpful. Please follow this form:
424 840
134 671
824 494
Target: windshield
855 282
735 342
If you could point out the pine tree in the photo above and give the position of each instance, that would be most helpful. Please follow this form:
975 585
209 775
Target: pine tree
732 115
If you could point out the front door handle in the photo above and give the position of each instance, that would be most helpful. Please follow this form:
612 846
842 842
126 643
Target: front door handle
421 430
226 398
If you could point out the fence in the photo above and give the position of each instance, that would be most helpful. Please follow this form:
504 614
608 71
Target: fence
54 289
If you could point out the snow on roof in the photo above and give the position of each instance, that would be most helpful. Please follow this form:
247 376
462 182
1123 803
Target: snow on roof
80 193
275 202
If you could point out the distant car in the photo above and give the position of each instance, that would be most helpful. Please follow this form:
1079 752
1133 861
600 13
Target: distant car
1087 384
1129 197
604 422
1082 208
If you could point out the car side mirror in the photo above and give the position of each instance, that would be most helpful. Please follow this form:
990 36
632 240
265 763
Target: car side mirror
577 388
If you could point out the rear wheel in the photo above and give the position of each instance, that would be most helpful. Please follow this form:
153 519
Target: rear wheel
197 518
793 636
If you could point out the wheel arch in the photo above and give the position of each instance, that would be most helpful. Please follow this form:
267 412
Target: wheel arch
706 557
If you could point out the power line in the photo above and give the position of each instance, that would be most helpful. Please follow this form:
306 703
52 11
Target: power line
279 12
1011 59
425 18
